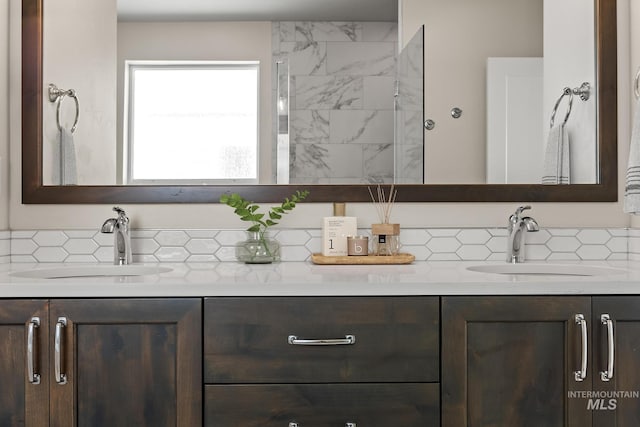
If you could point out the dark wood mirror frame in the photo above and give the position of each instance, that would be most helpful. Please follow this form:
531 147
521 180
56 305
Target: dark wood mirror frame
34 192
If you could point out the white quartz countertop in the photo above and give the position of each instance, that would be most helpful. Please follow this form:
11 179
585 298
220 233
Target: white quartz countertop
307 279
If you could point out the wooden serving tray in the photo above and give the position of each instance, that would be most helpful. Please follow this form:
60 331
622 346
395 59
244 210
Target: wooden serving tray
362 260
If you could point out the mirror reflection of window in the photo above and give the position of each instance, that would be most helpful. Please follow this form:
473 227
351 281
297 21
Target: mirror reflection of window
191 122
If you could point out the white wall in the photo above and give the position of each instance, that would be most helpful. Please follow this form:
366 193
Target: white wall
4 114
80 54
459 37
309 215
211 41
569 60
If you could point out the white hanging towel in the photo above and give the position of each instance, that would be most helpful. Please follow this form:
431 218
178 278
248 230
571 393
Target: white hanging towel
556 168
632 185
68 171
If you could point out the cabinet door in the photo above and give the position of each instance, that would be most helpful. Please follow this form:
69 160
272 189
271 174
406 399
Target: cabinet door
127 363
621 409
23 403
510 361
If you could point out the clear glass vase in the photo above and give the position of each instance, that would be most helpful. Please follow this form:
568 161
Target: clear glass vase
259 248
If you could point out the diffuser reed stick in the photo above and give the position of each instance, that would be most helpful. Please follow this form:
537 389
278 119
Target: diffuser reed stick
384 203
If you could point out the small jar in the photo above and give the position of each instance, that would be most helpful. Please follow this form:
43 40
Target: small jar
386 239
357 245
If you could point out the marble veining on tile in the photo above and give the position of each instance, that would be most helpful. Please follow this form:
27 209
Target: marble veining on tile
363 59
328 92
306 58
286 31
378 163
310 127
328 31
328 160
361 126
336 68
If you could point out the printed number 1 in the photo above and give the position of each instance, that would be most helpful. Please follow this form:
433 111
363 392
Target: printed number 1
330 243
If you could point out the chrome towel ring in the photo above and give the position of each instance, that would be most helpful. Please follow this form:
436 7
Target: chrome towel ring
565 92
636 84
583 91
57 95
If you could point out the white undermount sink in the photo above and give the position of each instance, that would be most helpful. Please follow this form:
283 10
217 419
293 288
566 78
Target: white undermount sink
91 271
547 269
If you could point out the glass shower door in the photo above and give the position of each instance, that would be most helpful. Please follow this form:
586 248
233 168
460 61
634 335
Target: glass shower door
409 113
282 122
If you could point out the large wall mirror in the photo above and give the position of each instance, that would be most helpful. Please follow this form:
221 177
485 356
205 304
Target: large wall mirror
324 98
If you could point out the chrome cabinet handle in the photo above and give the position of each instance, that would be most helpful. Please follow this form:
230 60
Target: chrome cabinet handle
346 425
607 375
60 377
347 340
582 373
32 376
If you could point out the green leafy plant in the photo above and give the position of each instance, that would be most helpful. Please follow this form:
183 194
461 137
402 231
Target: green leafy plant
259 249
248 211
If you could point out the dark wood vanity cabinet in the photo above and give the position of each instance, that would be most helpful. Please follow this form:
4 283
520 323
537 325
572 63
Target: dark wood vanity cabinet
513 361
107 362
321 361
21 402
620 410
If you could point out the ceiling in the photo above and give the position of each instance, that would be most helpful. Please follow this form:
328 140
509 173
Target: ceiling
258 10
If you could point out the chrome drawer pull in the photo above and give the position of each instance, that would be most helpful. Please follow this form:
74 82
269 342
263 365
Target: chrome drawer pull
33 377
347 340
346 425
582 373
60 377
608 374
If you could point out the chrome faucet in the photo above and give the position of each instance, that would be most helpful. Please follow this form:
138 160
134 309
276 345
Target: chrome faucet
518 224
119 226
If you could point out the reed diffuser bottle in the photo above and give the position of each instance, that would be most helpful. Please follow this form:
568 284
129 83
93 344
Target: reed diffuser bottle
385 236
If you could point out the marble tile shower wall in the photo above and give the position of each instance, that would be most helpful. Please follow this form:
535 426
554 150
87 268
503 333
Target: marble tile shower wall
341 99
437 244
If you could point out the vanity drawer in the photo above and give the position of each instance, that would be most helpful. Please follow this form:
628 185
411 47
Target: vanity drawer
322 405
246 340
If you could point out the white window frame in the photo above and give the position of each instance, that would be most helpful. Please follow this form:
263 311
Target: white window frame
128 139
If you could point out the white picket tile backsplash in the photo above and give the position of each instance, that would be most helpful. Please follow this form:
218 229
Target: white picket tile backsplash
437 244
633 244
